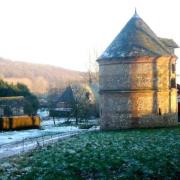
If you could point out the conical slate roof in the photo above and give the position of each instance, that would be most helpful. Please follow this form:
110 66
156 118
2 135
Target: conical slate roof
136 39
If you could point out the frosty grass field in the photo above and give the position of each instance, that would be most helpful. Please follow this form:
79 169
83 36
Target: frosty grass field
145 153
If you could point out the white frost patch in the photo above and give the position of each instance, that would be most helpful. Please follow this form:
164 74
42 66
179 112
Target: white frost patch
43 113
13 136
62 129
50 122
47 128
106 55
94 128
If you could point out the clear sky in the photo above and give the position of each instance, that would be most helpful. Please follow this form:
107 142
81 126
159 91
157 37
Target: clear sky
63 32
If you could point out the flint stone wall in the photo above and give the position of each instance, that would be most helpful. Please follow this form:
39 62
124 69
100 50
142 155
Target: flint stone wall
137 93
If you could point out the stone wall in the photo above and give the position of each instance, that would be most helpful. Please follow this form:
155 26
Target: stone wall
142 73
137 93
136 109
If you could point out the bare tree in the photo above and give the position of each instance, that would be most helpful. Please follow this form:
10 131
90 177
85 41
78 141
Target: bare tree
81 105
92 67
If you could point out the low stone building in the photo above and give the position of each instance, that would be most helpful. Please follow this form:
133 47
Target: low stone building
137 76
12 106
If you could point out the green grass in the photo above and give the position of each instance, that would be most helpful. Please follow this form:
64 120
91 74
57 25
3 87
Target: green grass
132 154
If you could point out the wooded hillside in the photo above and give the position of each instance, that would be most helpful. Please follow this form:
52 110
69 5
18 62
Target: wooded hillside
39 78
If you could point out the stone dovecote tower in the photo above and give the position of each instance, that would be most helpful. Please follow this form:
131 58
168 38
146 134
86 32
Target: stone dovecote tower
137 76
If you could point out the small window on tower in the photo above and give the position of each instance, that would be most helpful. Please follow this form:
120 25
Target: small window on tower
173 83
160 112
173 68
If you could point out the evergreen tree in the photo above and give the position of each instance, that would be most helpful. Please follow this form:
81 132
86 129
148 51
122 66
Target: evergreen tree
31 103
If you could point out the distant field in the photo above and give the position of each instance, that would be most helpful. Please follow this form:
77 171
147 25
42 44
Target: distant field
131 154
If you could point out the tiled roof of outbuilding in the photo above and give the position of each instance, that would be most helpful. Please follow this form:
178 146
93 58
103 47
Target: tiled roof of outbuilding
137 39
67 96
15 101
169 42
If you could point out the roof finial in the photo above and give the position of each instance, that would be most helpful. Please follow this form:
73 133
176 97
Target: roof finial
136 14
